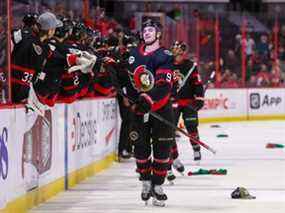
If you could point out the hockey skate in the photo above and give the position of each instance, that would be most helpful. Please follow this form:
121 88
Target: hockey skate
178 166
159 197
146 191
170 177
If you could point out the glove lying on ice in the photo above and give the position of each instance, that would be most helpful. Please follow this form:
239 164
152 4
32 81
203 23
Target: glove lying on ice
143 104
84 63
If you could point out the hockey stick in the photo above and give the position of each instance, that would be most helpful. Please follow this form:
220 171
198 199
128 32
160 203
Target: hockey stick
156 115
37 111
213 74
187 76
174 127
35 105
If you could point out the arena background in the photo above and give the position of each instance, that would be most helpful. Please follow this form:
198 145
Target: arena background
223 36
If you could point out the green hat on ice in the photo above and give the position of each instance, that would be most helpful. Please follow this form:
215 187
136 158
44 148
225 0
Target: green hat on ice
241 193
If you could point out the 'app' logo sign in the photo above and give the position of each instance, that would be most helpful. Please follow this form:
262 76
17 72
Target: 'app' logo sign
254 101
257 101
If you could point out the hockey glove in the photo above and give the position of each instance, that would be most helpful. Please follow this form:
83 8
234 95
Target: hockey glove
84 63
89 56
143 104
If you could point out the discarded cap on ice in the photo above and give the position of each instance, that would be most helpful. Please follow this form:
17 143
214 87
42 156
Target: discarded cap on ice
222 135
215 126
208 172
274 145
218 171
199 172
241 193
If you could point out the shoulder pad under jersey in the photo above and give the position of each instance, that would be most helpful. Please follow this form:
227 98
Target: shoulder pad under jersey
164 55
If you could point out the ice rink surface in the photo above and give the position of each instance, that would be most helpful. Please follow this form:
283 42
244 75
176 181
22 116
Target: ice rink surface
243 154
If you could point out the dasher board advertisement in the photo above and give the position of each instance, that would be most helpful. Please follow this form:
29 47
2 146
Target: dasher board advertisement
224 103
266 101
6 153
92 131
31 151
108 123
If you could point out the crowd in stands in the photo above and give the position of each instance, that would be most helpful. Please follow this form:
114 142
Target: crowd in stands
263 68
264 63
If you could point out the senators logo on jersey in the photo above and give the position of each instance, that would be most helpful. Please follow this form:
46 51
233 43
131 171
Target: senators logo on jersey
142 79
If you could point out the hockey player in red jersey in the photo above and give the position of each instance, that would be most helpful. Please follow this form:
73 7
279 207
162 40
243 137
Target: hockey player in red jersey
188 94
29 55
48 86
75 81
151 79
